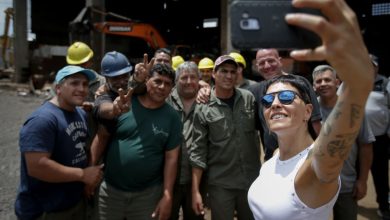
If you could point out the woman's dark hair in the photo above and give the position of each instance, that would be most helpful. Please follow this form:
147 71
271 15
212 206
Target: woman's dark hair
302 88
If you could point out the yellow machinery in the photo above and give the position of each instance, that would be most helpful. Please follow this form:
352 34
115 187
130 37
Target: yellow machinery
9 12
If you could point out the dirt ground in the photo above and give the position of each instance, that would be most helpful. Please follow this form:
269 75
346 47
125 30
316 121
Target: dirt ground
14 109
16 104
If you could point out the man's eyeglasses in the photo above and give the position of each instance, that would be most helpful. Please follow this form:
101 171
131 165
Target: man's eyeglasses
286 97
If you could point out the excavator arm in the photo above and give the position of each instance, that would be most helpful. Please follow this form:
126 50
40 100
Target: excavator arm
133 29
9 12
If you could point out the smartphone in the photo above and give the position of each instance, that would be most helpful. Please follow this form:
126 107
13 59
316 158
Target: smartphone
261 24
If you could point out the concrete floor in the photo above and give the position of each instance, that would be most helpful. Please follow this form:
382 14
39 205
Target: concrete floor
368 205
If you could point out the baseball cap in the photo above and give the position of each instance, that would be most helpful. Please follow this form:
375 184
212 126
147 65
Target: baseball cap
374 59
70 70
224 59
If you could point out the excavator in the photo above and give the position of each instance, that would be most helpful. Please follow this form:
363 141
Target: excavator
133 29
130 28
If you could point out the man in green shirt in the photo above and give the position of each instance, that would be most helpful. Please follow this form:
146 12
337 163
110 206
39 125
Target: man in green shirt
141 160
225 145
182 99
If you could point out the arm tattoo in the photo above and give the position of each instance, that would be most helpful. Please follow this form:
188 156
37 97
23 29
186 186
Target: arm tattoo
341 144
355 114
318 152
336 110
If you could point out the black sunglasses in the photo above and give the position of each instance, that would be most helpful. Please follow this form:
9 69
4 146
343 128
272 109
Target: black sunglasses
286 97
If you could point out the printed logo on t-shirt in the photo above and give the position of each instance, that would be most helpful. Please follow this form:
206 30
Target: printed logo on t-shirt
80 147
78 132
157 131
81 155
81 129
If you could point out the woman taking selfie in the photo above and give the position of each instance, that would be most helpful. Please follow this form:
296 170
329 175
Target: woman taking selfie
301 181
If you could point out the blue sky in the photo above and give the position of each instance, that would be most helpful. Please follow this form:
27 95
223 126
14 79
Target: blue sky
4 4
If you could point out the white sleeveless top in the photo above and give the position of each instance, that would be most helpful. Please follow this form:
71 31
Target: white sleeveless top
272 195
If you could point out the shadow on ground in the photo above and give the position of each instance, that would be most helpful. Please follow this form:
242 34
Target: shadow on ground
368 213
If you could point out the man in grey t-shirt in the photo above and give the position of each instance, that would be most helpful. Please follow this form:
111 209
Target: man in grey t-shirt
355 171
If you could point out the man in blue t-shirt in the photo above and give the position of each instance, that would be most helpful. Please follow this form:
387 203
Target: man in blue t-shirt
54 162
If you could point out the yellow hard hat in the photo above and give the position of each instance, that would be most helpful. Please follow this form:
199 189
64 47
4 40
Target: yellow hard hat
176 61
238 58
206 63
78 53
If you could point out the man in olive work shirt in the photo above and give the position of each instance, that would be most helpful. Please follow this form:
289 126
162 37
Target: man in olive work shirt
225 145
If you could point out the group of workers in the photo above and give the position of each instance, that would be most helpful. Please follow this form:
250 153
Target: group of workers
168 137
